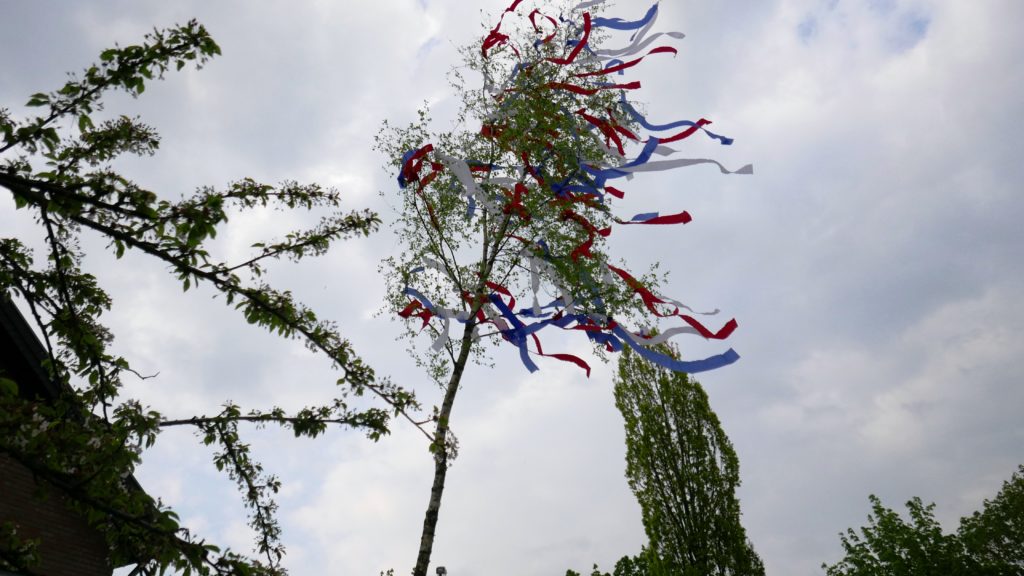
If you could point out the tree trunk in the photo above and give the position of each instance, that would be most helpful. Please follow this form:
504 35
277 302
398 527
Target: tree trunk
440 448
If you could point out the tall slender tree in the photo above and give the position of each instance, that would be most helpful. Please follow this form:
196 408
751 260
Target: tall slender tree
519 201
684 472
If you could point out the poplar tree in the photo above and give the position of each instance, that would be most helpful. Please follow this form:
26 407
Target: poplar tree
684 472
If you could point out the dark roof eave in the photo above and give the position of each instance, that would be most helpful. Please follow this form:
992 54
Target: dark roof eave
23 355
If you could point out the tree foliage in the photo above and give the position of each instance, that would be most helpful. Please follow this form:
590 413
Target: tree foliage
890 545
513 201
684 472
994 535
990 542
640 565
456 259
58 165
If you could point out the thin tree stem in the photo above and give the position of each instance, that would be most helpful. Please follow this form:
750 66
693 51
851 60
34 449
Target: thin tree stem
440 448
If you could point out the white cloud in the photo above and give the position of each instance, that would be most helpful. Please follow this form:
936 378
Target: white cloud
970 351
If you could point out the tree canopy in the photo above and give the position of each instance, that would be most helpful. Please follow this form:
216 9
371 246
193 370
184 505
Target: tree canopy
994 535
514 206
640 565
988 542
60 166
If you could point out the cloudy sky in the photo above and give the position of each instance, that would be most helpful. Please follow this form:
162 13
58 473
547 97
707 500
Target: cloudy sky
869 261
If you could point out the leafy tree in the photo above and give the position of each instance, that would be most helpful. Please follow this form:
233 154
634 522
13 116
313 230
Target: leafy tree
684 472
514 202
639 565
643 564
994 536
989 542
59 166
891 546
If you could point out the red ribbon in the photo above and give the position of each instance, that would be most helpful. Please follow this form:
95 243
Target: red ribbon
681 218
686 133
425 315
650 300
606 128
412 166
592 232
536 28
591 91
615 192
625 65
530 169
496 38
515 206
563 357
579 45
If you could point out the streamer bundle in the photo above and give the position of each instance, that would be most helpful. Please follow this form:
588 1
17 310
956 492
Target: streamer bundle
587 186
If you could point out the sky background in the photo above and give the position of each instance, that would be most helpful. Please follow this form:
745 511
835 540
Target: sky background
873 263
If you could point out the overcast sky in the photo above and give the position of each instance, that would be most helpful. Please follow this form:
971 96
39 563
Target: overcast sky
873 263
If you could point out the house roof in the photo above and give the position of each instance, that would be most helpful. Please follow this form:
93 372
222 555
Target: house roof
22 355
22 359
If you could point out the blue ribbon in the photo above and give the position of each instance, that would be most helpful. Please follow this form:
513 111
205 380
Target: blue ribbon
666 361
606 339
528 312
516 334
620 24
401 169
603 175
615 62
423 299
639 118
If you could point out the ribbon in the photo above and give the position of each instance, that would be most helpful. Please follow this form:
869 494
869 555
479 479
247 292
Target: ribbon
655 218
624 65
586 184
579 44
666 361
620 24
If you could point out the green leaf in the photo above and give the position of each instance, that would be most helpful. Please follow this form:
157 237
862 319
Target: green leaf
50 137
38 99
69 89
84 123
8 387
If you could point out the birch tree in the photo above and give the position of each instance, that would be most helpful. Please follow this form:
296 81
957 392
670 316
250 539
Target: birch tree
503 220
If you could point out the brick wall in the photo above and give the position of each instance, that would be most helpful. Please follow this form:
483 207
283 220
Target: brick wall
68 546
